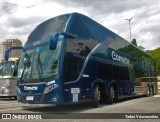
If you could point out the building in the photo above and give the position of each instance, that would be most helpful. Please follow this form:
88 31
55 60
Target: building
11 43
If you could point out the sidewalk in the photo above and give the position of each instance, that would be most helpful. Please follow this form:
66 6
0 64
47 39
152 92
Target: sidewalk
158 95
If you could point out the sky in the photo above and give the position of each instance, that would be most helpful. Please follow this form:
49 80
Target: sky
18 18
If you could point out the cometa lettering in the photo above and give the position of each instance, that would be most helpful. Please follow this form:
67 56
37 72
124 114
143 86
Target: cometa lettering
118 58
31 88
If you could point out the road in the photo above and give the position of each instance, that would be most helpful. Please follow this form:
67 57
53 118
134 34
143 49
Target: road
134 105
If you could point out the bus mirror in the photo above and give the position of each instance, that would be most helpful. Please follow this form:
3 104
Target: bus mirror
53 41
9 50
70 35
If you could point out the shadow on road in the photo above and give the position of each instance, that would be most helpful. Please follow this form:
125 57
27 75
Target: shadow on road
130 98
7 99
80 107
76 108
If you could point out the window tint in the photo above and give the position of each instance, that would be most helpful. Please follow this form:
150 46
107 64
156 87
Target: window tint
76 52
124 73
45 29
72 67
105 71
132 75
115 72
81 47
120 73
112 72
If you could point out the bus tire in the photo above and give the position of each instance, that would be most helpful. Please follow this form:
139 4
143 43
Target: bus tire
95 97
148 91
110 95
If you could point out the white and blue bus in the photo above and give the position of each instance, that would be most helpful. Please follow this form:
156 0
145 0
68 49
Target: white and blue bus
71 59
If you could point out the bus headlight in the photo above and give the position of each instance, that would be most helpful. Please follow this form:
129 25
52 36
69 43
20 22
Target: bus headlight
50 88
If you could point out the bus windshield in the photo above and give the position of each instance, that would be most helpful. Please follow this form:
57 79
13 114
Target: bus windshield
39 63
7 68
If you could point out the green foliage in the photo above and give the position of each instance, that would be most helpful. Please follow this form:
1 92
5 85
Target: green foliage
136 58
134 42
156 55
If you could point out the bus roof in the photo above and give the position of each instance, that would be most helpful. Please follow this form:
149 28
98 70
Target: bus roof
75 23
83 27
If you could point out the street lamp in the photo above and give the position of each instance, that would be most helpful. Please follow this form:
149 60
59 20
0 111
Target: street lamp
129 20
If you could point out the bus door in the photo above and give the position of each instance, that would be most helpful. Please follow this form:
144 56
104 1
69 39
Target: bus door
71 71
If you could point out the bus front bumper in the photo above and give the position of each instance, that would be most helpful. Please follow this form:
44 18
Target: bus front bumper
38 99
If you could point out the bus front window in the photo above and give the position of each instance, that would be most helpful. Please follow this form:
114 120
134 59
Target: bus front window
37 64
7 68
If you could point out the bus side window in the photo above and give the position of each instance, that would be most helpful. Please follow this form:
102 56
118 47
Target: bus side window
72 67
132 75
76 52
105 71
120 73
115 72
124 73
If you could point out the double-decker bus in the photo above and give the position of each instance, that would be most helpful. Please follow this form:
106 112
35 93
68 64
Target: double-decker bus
8 78
71 59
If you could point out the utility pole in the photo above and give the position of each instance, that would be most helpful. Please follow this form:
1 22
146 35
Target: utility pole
129 20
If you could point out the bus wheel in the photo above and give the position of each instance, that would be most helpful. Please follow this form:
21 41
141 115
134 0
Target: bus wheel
148 91
95 102
110 95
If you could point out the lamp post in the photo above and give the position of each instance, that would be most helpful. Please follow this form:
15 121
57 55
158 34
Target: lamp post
129 20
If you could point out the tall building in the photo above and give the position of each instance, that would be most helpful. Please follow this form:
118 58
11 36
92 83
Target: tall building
11 43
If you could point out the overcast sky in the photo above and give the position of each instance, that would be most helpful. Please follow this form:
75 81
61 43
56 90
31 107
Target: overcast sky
20 17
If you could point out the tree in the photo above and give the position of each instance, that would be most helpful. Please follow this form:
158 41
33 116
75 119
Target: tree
134 42
156 55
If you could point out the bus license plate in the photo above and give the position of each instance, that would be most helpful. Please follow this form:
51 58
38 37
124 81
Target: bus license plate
30 98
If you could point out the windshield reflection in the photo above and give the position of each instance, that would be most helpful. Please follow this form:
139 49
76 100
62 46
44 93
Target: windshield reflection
7 68
39 63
